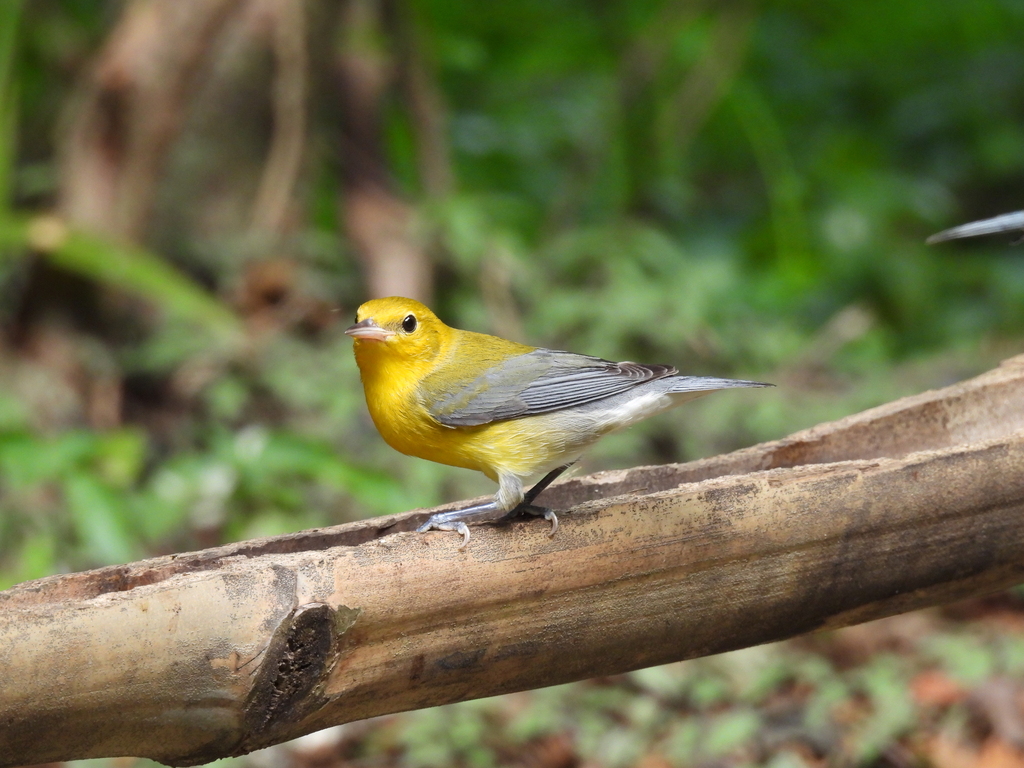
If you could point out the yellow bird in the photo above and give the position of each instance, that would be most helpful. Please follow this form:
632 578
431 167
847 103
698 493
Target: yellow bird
505 409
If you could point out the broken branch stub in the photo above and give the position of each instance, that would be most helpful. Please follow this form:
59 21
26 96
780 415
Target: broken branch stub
197 656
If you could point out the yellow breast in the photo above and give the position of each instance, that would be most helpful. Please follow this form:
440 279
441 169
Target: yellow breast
396 404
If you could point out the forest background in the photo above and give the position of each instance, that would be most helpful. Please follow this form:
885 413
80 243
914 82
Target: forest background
196 194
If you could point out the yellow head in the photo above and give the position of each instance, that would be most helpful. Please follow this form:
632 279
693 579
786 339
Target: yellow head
397 330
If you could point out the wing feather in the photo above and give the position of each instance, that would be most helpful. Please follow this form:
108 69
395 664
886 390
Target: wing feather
540 381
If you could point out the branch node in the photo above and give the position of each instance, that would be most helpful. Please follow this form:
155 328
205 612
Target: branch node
288 685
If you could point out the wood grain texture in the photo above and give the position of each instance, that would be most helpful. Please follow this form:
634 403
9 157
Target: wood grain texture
196 656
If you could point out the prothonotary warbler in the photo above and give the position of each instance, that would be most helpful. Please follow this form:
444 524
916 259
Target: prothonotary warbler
505 409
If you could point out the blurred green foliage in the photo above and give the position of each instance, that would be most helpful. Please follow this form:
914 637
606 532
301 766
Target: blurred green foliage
737 189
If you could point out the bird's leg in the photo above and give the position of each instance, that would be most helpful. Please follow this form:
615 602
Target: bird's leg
457 519
527 505
543 483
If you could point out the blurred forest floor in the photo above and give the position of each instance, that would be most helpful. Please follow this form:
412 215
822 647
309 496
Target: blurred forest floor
196 194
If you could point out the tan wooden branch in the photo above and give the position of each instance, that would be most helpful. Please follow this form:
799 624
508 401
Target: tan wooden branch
196 656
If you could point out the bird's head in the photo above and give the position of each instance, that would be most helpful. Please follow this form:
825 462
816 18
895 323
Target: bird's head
397 329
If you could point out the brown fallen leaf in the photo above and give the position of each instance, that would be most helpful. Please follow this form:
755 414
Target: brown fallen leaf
945 752
933 688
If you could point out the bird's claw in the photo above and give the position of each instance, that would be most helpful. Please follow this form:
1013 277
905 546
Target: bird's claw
445 525
546 512
550 515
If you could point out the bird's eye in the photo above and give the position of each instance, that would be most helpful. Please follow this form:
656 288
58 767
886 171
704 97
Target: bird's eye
409 324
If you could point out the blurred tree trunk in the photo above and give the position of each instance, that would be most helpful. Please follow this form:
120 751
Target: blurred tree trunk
125 118
417 81
274 198
132 108
380 224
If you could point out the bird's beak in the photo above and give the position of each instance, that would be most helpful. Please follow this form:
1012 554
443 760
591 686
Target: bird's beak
368 329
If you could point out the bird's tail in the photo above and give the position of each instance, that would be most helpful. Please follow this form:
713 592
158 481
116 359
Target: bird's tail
1007 222
710 384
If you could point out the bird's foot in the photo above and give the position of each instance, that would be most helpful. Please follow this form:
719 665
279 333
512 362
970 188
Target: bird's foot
538 511
458 527
457 519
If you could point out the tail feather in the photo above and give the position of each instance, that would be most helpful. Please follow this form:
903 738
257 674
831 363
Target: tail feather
709 383
1007 222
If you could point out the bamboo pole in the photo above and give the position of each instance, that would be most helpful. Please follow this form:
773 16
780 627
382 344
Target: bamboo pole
192 657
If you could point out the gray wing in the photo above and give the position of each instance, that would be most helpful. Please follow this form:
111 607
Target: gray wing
540 381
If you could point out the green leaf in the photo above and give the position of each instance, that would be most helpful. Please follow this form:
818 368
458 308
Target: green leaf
142 272
768 141
120 456
964 657
10 11
100 518
885 681
121 265
35 559
26 460
729 731
279 456
13 231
